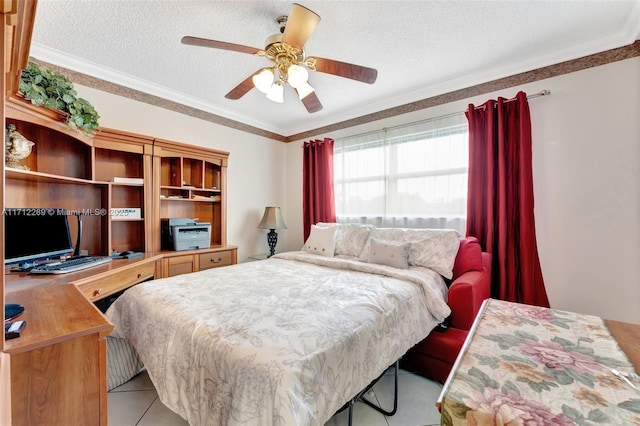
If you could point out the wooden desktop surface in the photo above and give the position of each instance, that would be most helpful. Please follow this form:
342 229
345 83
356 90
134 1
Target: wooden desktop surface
54 314
18 281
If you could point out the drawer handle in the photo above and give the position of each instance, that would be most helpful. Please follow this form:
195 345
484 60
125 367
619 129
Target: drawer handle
98 292
216 261
139 275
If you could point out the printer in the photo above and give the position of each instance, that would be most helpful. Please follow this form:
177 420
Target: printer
184 234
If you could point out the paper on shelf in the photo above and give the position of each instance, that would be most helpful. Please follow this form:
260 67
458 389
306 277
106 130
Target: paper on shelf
118 179
126 213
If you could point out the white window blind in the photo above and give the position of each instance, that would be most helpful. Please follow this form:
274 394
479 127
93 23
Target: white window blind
408 176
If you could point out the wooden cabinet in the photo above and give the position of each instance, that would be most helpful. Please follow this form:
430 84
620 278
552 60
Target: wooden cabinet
124 160
190 182
100 285
216 259
183 262
58 367
70 171
15 39
178 264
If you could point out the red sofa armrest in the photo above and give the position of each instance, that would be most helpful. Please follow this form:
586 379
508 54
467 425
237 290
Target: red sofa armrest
467 292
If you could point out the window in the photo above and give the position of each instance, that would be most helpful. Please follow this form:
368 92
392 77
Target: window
413 175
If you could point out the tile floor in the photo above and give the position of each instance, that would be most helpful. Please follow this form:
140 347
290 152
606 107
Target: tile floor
136 403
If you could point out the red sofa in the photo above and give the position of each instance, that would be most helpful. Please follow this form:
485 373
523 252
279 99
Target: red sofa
434 356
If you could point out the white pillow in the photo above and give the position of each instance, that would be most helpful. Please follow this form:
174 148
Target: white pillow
350 237
404 235
388 253
322 240
437 252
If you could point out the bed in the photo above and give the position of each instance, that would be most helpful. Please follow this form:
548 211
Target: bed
283 341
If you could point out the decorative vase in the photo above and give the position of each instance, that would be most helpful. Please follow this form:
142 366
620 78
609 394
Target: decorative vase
17 148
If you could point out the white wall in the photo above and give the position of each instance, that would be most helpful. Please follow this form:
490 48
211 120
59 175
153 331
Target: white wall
586 156
256 174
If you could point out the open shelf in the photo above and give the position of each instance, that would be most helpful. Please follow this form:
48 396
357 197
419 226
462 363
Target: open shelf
53 152
71 171
29 175
112 164
191 183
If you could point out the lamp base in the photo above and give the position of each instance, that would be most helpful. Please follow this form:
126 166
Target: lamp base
272 240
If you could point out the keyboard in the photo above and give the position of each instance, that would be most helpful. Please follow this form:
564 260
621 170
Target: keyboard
70 265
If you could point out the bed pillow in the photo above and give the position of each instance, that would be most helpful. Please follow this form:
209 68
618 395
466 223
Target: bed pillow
469 257
389 253
322 240
350 237
404 235
437 252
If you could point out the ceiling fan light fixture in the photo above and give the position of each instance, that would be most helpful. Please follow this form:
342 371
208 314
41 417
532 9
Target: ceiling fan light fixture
304 90
290 65
276 93
297 75
263 81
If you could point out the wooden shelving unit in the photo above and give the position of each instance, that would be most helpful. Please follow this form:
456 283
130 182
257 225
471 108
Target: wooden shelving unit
68 170
79 173
125 155
190 183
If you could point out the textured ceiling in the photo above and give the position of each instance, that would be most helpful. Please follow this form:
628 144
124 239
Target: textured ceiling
420 48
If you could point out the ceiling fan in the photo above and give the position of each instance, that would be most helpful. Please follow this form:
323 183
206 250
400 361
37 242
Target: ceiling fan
290 64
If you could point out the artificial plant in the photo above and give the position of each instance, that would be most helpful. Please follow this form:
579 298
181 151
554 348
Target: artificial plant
50 89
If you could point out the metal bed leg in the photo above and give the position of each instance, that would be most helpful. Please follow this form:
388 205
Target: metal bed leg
395 396
361 397
351 411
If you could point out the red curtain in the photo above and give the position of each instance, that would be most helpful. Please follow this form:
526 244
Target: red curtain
318 203
500 197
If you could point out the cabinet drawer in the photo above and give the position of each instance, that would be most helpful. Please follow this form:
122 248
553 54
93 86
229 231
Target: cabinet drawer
214 259
178 265
117 281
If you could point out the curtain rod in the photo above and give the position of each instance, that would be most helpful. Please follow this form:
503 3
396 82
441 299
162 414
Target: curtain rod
440 117
535 95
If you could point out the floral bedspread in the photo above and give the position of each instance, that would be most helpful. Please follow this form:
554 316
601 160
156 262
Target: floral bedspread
527 365
285 341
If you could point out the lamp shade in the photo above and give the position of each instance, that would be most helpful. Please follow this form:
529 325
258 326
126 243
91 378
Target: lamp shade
276 92
272 219
263 80
297 75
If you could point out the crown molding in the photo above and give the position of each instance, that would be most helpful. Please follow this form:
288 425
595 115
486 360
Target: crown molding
196 108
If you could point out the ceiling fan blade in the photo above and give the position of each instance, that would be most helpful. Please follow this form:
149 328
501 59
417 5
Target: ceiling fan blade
241 89
344 69
311 102
205 42
300 24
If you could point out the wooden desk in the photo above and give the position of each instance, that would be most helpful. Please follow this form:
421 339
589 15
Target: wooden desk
59 363
524 363
110 277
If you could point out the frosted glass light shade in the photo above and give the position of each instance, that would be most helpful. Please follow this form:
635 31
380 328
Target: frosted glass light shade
297 75
276 93
263 80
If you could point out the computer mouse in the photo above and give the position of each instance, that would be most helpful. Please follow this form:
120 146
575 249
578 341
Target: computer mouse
126 253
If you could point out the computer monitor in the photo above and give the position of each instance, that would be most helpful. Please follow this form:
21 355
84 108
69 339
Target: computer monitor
35 234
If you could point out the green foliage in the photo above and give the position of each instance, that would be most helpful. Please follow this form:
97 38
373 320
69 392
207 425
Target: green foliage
50 89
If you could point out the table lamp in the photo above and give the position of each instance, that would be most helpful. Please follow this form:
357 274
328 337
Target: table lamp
272 220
